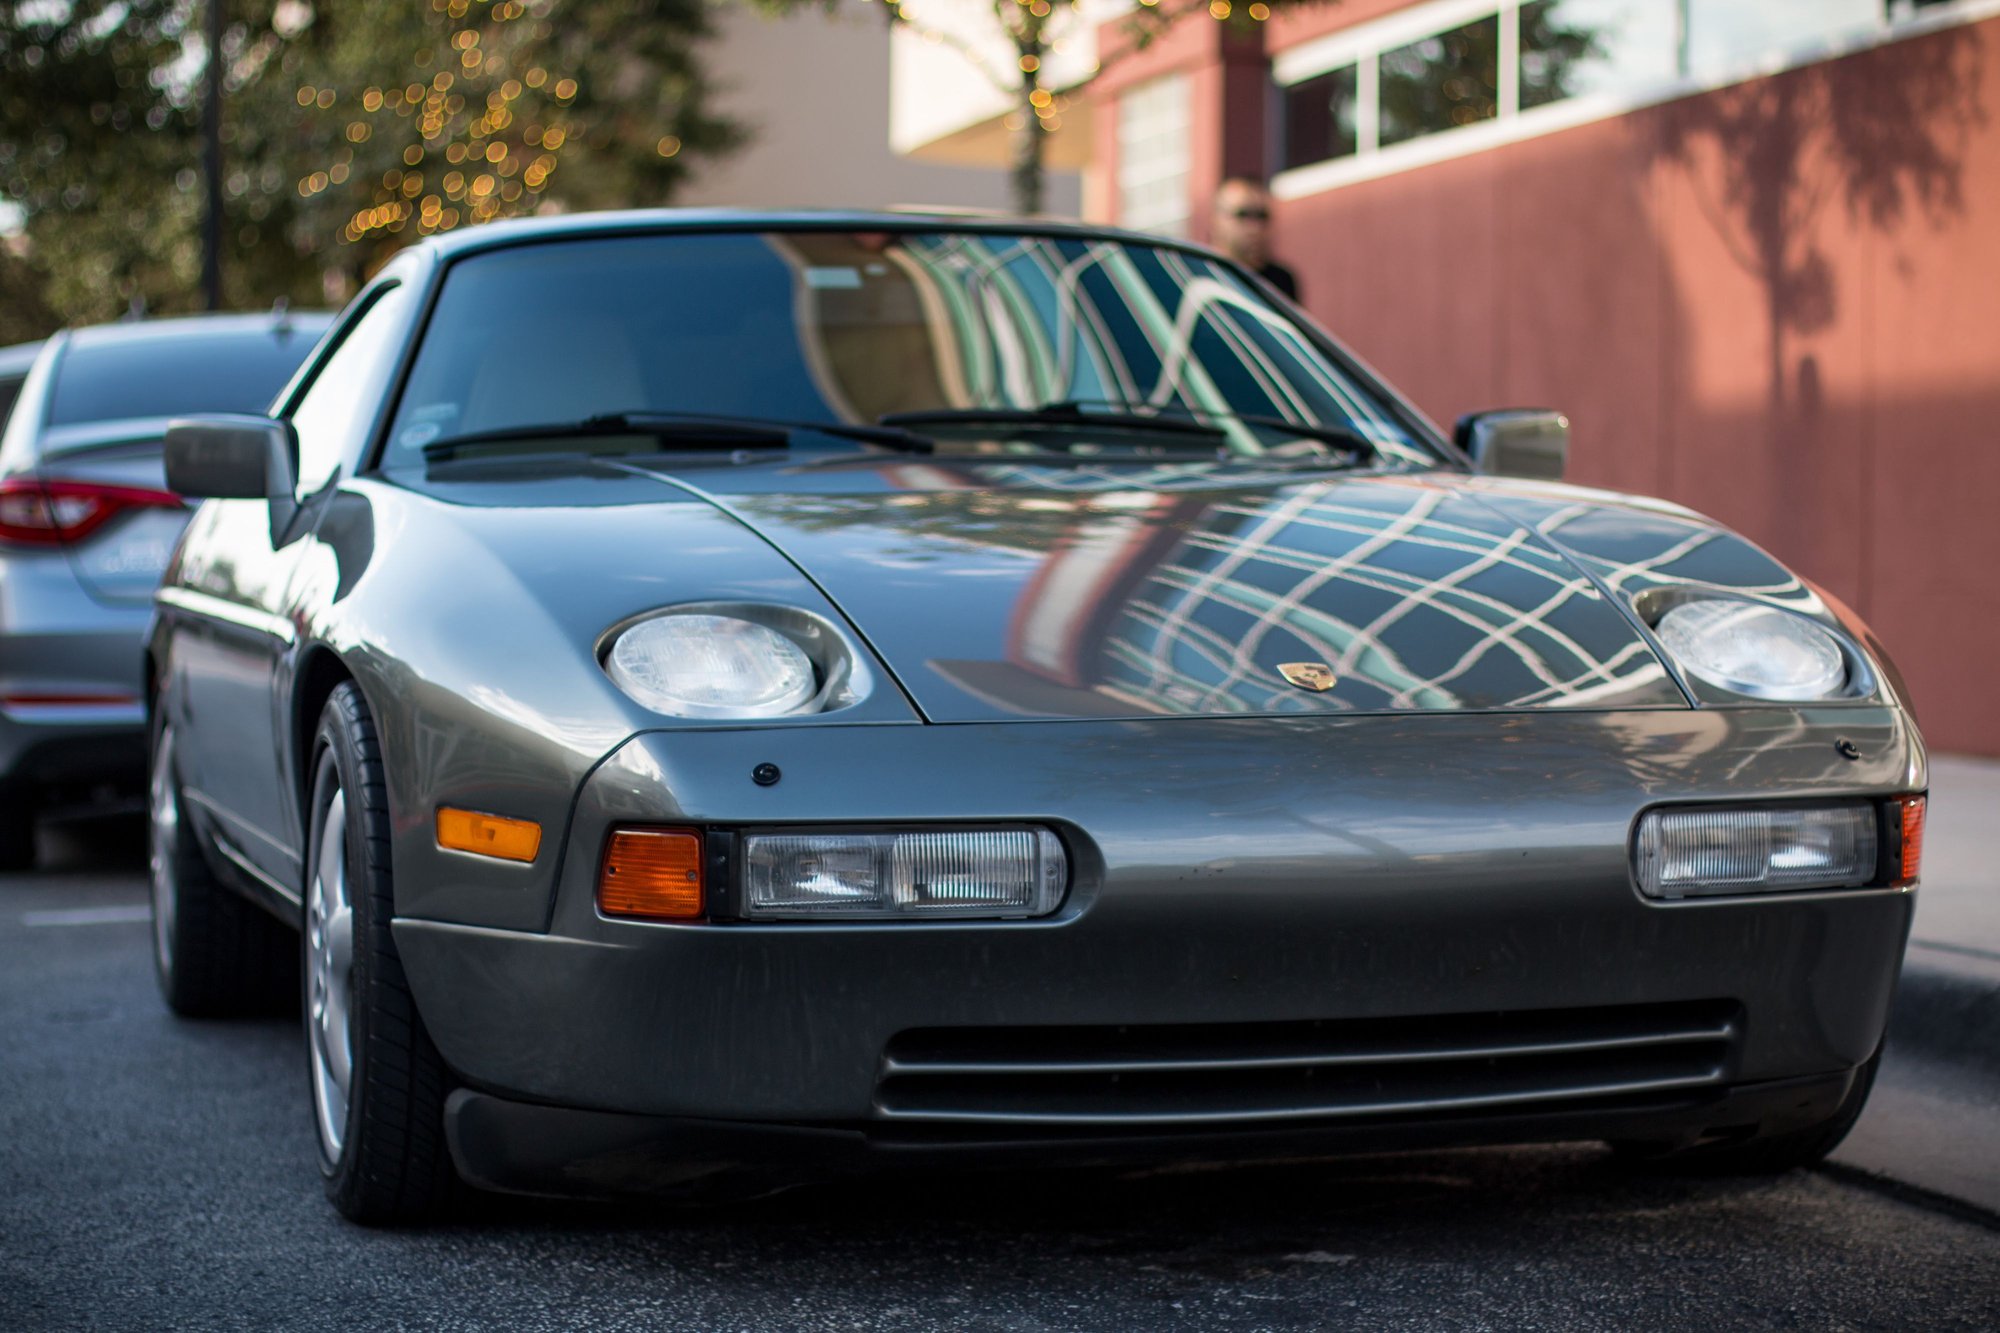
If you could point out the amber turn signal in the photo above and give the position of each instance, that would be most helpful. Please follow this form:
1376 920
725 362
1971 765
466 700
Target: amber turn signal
1907 816
654 873
488 835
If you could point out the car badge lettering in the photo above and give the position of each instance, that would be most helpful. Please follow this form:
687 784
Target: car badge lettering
1315 676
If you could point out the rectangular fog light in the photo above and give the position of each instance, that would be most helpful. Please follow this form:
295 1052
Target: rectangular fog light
1698 853
1016 872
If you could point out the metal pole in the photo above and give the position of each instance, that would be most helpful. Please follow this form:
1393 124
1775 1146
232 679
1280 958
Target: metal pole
211 162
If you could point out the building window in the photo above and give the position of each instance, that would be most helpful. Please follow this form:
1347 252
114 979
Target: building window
1153 156
1322 117
1570 48
1722 34
1423 69
1441 82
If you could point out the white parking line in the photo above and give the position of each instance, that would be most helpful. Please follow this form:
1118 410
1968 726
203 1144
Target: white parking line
89 916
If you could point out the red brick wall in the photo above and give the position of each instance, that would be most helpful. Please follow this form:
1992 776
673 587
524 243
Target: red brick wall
1778 303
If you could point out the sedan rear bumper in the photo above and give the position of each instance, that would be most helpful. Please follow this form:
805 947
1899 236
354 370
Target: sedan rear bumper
72 711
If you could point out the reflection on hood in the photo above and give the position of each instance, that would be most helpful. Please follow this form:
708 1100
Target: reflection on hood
1011 591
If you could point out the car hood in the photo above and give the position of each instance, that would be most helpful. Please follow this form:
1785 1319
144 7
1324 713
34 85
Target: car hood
1055 592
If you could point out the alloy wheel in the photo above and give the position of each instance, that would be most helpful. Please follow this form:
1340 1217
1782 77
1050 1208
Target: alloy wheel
165 807
330 989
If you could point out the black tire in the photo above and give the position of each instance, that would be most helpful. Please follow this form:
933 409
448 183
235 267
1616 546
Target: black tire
17 828
216 953
1767 1155
382 1145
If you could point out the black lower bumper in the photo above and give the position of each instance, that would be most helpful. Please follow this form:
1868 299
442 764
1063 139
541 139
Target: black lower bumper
525 1148
93 771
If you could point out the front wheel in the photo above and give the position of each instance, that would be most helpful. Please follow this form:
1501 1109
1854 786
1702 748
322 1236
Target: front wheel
378 1085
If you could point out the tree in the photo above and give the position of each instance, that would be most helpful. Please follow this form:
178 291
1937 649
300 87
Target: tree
349 130
403 119
87 111
24 314
1028 31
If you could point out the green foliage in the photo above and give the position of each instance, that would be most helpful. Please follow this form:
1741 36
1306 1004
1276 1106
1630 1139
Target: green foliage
85 111
24 314
407 117
350 129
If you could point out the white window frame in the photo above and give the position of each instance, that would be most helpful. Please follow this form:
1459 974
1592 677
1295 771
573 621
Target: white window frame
1179 158
1360 45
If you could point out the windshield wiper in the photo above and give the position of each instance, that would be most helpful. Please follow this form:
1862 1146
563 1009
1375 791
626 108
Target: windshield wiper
683 430
1057 415
1327 432
1071 413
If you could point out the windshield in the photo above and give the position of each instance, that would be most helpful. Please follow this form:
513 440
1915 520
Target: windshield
175 375
852 327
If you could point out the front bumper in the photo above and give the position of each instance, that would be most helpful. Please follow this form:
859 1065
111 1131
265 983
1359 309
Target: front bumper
526 1148
1397 888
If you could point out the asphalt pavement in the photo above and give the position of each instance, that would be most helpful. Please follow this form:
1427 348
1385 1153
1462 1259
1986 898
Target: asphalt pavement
1935 1115
159 1174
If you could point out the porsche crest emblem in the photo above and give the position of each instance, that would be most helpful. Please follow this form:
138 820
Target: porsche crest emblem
1315 676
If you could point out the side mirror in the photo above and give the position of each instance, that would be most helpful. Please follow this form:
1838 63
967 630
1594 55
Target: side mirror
1527 442
236 458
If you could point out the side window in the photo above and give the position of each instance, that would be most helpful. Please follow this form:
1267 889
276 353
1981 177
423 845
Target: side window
342 398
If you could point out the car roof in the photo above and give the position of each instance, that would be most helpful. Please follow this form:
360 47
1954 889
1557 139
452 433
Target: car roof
15 360
128 332
522 231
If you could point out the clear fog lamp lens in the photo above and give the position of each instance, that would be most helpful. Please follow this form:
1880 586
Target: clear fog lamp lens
984 873
711 666
1698 853
1755 650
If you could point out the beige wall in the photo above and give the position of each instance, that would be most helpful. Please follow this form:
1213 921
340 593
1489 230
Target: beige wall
814 91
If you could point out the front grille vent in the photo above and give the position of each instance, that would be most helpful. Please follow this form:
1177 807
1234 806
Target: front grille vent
1245 1073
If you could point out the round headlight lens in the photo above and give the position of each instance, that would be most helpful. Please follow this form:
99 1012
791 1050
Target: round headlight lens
1755 650
711 666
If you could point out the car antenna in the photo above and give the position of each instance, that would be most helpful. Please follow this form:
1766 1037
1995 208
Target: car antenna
281 315
135 309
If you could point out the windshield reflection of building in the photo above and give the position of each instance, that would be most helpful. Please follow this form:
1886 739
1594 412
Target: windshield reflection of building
894 322
1166 594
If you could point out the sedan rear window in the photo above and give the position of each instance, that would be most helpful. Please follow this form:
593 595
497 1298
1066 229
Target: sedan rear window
173 375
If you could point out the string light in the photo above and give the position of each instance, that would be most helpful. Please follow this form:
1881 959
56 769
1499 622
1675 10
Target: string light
474 104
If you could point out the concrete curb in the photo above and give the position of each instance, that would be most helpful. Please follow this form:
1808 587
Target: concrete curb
1948 1006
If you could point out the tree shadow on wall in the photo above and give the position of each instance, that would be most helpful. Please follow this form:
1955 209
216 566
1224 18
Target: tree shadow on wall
1880 138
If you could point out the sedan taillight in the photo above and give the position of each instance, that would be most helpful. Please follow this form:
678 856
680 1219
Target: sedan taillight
34 512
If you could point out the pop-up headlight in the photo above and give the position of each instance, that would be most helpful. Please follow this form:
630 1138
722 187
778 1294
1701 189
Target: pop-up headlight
711 666
1755 650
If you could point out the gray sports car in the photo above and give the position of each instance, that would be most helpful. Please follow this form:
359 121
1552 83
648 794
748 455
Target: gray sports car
731 699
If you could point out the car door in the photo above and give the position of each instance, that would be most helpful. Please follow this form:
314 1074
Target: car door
236 630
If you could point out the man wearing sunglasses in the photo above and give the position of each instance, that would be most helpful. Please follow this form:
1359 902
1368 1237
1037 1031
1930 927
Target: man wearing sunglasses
1243 232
